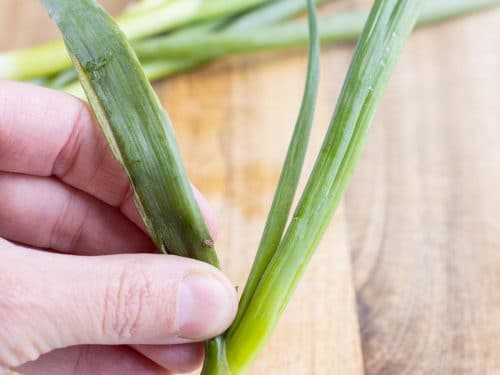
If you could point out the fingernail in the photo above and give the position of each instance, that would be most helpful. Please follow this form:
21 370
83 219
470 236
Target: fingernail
206 306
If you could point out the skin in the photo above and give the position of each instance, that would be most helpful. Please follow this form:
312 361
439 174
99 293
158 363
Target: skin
81 290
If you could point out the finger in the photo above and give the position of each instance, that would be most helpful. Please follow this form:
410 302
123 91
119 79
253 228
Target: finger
45 132
46 213
50 301
120 360
177 358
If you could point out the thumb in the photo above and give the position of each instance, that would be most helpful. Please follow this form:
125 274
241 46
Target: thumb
50 301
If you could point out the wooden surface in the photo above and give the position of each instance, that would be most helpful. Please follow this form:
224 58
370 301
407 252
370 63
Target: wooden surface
423 212
420 224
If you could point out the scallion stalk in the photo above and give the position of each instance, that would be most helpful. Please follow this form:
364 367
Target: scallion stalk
256 18
333 29
291 171
387 28
52 58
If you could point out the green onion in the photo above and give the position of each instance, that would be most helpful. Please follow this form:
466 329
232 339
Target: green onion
291 171
136 127
216 361
51 58
333 29
159 68
388 26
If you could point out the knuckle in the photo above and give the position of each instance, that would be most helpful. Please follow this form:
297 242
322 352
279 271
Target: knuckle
128 294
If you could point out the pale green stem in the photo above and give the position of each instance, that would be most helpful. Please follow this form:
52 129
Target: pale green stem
51 58
333 29
290 173
389 24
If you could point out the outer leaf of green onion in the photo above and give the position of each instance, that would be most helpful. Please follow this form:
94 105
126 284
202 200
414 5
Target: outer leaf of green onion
136 127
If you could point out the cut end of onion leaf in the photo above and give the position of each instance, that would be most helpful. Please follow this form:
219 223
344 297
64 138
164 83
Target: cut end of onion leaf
135 126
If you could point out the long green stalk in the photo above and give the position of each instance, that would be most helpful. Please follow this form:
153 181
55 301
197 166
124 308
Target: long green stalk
291 171
388 26
216 360
52 58
135 126
333 29
264 15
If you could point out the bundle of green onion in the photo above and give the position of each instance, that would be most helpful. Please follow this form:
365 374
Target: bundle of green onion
141 136
171 36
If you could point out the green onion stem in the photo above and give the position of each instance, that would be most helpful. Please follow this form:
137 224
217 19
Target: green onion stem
387 28
264 15
291 171
51 58
333 29
216 359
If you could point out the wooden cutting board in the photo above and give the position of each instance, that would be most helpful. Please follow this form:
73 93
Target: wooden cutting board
423 211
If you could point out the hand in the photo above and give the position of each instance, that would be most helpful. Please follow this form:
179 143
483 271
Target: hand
63 200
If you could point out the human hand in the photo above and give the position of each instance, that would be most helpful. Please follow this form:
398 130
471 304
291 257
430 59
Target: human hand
63 200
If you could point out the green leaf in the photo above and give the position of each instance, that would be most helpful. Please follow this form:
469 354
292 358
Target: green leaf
136 127
291 171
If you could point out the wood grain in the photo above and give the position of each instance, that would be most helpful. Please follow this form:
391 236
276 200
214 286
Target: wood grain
422 211
233 120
